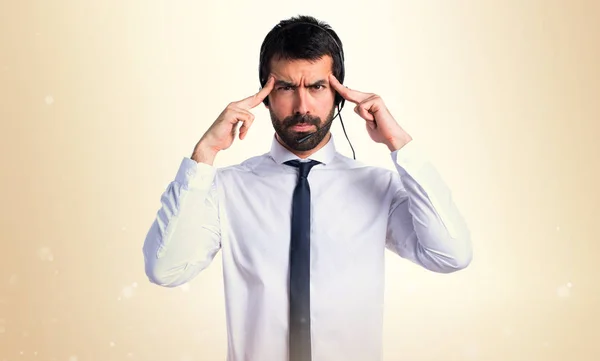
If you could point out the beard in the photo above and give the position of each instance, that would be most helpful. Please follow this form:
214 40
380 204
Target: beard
290 137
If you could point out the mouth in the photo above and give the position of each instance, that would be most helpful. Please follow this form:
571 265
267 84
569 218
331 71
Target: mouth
302 127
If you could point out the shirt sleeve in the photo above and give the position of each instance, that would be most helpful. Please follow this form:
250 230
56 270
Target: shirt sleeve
185 235
425 225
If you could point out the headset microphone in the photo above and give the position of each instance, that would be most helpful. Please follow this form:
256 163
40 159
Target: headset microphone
305 138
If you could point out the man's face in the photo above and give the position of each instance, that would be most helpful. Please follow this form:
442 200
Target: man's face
301 101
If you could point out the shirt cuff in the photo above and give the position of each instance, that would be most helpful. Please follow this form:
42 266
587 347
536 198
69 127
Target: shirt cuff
410 158
194 175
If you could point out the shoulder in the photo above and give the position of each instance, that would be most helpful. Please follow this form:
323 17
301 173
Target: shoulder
246 166
343 161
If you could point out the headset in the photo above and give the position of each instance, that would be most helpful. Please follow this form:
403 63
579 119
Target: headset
339 101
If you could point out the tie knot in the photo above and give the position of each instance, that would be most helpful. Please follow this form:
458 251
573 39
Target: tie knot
304 167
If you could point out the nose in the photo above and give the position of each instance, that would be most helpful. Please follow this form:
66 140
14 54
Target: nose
301 101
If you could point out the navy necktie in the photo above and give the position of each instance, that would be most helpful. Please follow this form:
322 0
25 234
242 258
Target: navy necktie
299 327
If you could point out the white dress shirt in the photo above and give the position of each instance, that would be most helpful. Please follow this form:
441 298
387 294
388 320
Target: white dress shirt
357 211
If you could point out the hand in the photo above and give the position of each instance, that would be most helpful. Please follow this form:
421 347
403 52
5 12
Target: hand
380 124
221 133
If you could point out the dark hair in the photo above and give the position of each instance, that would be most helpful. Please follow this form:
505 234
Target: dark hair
301 37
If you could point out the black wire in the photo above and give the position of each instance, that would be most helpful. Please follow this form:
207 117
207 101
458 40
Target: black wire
344 129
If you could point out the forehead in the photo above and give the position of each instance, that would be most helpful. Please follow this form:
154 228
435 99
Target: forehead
295 69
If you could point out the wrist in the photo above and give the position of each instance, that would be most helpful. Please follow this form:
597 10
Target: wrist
397 143
204 154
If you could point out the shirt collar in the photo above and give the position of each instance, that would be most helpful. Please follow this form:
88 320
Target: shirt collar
281 154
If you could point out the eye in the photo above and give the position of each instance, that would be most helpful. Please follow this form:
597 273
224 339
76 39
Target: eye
318 86
285 88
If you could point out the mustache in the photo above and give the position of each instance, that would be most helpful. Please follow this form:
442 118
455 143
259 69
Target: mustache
301 119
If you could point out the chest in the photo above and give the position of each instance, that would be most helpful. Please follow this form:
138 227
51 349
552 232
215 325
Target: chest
348 216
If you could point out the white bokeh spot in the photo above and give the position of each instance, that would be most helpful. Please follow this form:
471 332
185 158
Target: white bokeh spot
185 287
564 291
127 292
13 280
49 99
45 254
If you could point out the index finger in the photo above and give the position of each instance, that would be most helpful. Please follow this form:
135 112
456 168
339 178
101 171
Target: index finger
353 96
257 98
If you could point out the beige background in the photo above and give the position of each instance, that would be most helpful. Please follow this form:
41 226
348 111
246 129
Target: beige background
100 100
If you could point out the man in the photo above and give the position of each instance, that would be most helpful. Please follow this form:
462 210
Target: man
303 242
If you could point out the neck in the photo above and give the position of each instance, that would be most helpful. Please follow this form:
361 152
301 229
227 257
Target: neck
307 153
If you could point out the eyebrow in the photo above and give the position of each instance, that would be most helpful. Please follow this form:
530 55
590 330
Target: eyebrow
287 83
